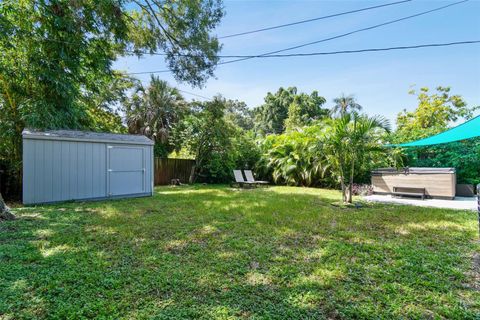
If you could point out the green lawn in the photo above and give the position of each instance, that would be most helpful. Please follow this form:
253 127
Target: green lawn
214 252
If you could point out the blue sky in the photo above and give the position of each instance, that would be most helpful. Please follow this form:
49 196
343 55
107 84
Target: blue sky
380 81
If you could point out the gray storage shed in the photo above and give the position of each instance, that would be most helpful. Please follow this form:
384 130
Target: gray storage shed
61 165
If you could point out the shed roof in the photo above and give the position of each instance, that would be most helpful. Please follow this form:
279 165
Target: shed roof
87 136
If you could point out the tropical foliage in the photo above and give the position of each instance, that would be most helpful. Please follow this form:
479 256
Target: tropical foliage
294 158
288 108
344 105
331 152
56 60
212 135
347 143
154 111
436 112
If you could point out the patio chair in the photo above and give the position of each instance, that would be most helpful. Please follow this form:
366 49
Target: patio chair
240 181
251 179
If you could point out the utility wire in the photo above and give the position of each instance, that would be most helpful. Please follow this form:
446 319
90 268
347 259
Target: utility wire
351 32
418 46
288 55
322 40
346 52
257 30
286 25
194 94
312 19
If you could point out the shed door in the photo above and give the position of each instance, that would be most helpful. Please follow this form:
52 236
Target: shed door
126 170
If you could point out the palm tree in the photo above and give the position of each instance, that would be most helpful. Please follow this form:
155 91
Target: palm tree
154 111
347 141
345 104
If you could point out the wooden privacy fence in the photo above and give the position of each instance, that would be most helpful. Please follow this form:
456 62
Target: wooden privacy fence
167 169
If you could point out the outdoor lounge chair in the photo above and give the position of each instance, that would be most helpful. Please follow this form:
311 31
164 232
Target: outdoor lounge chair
240 181
251 179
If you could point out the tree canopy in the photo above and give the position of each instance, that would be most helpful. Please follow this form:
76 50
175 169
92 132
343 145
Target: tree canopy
56 62
435 113
154 111
301 108
345 104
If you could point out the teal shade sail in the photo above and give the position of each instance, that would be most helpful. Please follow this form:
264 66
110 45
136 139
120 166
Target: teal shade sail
466 130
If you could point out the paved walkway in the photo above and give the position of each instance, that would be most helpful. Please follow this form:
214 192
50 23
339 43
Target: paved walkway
460 203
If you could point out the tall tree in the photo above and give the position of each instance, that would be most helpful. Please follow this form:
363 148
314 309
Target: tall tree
345 104
154 111
436 112
347 140
433 114
207 135
272 116
238 113
295 118
56 53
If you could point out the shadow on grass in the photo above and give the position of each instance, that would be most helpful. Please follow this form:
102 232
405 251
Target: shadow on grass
215 252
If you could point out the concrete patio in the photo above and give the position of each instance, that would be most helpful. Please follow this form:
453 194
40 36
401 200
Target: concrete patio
459 203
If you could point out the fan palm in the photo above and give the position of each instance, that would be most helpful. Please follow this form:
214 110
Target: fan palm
347 140
153 111
345 104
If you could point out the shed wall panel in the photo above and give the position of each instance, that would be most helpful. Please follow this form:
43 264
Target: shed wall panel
38 171
57 171
71 170
65 172
48 169
28 171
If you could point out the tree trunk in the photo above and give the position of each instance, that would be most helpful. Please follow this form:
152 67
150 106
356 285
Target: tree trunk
191 179
344 189
342 180
5 213
350 185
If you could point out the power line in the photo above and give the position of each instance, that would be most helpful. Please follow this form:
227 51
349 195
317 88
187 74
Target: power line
322 40
418 46
312 19
257 30
274 53
194 94
350 33
369 49
284 25
345 52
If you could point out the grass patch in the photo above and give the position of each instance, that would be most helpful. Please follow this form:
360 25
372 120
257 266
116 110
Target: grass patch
214 252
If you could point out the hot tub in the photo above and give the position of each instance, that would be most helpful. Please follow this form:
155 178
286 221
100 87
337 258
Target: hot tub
439 183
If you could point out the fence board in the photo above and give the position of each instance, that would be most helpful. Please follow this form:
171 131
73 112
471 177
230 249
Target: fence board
167 169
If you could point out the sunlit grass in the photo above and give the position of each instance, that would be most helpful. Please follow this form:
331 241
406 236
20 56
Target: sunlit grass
214 252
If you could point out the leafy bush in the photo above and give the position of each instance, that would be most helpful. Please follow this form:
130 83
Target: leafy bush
294 158
464 156
218 145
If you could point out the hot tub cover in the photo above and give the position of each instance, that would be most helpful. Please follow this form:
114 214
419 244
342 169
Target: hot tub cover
412 170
